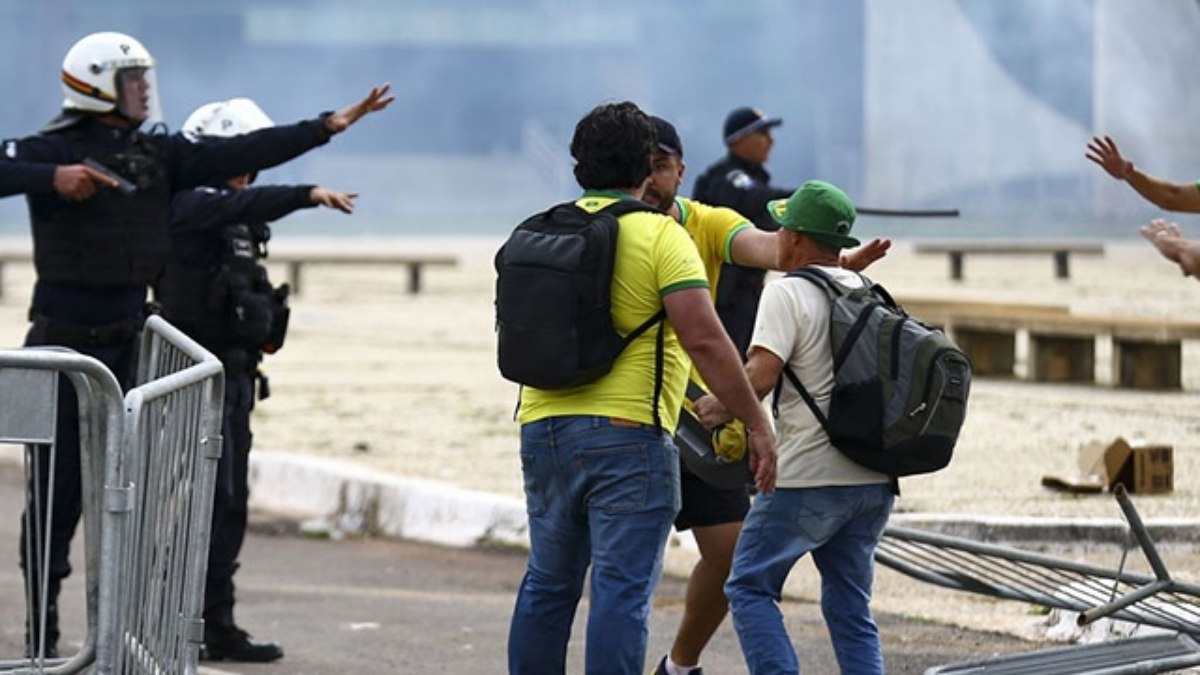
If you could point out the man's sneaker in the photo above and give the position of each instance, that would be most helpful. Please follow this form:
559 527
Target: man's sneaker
662 669
230 643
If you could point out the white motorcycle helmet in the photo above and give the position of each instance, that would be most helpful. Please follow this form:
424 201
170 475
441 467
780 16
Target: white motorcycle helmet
225 118
92 71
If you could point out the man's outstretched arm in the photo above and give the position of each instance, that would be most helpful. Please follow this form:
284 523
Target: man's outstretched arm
1184 197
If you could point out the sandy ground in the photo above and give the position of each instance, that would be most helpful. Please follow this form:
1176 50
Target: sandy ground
407 384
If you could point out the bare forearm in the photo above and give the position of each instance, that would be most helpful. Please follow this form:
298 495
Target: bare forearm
721 369
1189 258
1184 197
763 373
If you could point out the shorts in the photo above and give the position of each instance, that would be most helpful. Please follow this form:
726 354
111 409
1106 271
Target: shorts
705 505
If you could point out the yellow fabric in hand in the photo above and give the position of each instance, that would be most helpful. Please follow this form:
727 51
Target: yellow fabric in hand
729 441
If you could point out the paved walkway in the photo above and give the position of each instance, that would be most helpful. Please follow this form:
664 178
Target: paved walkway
388 606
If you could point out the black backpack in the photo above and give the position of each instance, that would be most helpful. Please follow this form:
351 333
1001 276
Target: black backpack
553 307
900 387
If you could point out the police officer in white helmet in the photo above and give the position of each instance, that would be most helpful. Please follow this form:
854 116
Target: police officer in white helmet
101 237
216 290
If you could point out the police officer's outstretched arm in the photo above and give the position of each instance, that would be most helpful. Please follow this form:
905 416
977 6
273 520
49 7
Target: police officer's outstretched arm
377 99
208 208
332 199
213 160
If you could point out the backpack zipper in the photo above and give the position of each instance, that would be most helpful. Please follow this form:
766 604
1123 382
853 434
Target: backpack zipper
928 385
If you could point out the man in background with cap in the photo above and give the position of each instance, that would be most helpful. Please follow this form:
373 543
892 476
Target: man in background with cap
713 514
824 503
740 182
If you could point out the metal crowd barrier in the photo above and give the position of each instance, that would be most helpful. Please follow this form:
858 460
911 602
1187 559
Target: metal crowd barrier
153 585
29 381
147 513
1157 601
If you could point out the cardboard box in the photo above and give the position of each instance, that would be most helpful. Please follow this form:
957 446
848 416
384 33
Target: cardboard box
1146 468
1150 469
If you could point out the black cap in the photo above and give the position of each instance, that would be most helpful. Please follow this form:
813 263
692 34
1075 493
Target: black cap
668 138
743 121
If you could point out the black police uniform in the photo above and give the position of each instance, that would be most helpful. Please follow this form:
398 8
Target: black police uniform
746 188
95 258
215 290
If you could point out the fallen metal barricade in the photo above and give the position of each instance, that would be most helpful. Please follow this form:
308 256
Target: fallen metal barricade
162 498
1095 592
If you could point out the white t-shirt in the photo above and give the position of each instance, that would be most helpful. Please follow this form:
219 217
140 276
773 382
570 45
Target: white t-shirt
793 324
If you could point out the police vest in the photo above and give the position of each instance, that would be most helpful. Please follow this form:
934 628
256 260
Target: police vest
230 304
110 239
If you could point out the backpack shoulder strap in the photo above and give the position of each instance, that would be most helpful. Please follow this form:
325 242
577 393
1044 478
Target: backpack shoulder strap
821 279
808 399
623 207
617 209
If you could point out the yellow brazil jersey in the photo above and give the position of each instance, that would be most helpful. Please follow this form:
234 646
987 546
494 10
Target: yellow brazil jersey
712 229
654 258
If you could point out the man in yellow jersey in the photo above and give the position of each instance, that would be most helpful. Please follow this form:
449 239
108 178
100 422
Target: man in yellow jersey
601 479
713 514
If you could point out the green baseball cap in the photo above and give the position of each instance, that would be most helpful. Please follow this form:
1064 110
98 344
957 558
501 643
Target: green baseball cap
818 209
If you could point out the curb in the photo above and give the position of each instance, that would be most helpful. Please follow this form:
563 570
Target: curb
352 498
1017 530
338 498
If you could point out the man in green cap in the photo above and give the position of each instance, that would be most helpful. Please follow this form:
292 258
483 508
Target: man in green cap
714 514
824 503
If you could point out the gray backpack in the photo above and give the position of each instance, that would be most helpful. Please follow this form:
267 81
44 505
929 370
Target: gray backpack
900 387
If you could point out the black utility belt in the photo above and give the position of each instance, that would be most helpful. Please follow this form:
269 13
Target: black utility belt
59 332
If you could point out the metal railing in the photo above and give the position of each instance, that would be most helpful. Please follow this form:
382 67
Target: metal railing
1094 592
29 381
161 500
1013 574
148 468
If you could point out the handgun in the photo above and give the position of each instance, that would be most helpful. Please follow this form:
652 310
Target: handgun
123 185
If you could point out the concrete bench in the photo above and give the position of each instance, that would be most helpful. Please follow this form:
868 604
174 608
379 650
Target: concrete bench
295 260
1060 250
1146 350
968 322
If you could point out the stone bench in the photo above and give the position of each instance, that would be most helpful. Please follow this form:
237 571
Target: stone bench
969 323
1060 250
1146 350
296 259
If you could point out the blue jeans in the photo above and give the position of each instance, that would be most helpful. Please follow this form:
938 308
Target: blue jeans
602 495
840 526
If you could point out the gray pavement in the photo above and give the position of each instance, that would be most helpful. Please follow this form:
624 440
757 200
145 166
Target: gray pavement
388 606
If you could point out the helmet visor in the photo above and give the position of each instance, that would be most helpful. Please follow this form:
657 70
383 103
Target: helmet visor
137 94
